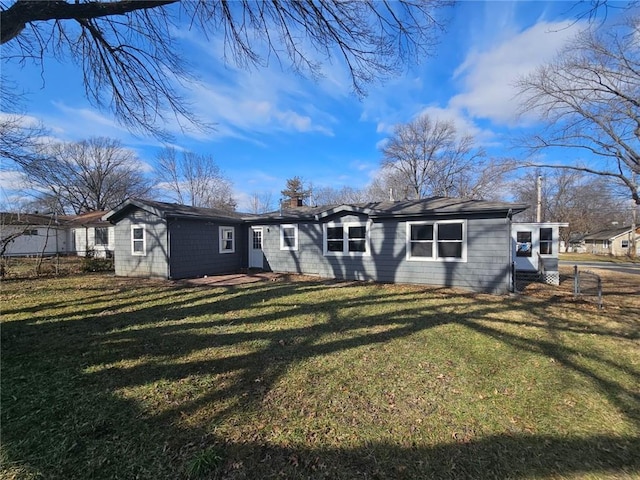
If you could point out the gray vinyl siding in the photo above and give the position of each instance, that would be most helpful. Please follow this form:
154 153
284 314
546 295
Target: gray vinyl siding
154 263
487 268
195 244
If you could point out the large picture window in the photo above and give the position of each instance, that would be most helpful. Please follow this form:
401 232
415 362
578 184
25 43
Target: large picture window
444 241
138 240
227 240
351 238
288 237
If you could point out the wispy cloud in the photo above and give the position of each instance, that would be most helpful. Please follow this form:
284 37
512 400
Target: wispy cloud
488 77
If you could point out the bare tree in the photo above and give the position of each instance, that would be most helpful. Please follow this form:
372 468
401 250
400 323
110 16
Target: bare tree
587 203
94 174
194 179
343 195
589 100
20 139
432 159
131 64
261 202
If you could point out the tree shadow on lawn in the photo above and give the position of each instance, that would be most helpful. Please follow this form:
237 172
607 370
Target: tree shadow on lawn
65 414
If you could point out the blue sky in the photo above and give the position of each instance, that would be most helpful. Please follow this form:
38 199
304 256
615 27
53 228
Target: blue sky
272 124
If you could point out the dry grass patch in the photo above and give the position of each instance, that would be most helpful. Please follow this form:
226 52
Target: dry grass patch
115 378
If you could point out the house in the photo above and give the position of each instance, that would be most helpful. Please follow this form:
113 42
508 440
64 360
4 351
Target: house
437 241
32 234
612 241
535 248
89 233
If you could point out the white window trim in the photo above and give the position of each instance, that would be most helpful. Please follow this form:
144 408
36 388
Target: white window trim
434 256
345 239
222 239
143 240
283 246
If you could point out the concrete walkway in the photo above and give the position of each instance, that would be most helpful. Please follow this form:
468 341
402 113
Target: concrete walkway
231 279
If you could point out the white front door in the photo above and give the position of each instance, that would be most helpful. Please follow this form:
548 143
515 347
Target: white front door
256 255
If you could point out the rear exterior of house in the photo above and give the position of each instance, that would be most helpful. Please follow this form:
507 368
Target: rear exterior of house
445 242
470 251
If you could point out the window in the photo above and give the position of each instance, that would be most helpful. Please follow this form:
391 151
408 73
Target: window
351 238
227 240
102 236
625 244
31 232
546 241
138 240
443 241
523 244
288 237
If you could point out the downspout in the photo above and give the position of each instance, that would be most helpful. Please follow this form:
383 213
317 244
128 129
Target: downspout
168 251
511 266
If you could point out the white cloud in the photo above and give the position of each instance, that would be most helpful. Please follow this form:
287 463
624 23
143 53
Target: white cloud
488 76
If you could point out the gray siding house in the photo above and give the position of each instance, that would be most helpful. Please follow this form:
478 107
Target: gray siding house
164 240
438 241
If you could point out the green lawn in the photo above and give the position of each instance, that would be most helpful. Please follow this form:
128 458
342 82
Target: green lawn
118 378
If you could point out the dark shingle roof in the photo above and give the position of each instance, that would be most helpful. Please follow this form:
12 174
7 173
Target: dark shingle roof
435 206
608 233
167 210
8 218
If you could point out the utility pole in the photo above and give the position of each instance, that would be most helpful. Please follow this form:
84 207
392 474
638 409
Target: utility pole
634 222
539 202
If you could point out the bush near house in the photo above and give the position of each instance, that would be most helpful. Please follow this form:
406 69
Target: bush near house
106 377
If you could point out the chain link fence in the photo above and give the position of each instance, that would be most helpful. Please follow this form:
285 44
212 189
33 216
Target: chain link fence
587 285
36 264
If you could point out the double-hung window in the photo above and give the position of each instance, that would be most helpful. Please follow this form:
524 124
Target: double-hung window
546 241
443 241
138 240
350 238
227 240
288 237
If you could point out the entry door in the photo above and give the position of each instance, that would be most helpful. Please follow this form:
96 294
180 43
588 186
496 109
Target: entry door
524 254
256 255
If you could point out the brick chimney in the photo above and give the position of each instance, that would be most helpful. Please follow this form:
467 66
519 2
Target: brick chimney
295 202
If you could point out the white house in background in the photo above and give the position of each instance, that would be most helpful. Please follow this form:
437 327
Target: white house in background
33 234
535 248
89 233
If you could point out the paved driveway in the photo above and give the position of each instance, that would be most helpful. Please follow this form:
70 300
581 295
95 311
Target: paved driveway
632 268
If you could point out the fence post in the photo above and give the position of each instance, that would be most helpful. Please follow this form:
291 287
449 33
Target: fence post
599 292
576 281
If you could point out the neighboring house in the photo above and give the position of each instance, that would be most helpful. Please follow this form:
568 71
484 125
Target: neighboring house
536 247
32 234
612 241
89 233
576 243
438 241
